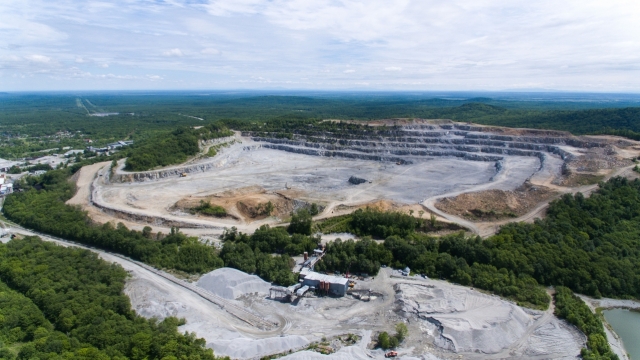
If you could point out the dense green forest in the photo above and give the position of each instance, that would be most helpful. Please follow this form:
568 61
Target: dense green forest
575 311
252 253
173 147
382 224
30 123
67 303
44 210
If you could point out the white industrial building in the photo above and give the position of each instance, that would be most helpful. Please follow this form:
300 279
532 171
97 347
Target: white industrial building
332 284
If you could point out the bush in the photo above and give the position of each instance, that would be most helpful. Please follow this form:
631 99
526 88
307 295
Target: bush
300 223
206 208
383 340
14 170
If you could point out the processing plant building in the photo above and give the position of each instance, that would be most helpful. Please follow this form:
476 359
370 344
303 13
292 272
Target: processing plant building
332 284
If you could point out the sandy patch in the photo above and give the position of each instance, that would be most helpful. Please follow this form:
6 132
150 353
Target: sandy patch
496 204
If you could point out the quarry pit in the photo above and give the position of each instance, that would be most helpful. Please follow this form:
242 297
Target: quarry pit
477 177
472 175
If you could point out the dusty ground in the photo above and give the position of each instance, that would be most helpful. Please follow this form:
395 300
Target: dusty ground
496 204
243 203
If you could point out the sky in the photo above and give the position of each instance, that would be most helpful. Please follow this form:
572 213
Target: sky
483 45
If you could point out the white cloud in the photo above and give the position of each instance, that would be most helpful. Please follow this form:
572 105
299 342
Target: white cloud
173 52
210 51
393 44
38 59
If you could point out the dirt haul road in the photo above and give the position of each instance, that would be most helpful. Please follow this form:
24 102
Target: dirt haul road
485 229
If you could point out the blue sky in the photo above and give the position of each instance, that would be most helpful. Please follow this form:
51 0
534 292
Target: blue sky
578 45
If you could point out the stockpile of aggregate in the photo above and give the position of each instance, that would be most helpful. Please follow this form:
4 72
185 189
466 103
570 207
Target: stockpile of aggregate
231 283
469 321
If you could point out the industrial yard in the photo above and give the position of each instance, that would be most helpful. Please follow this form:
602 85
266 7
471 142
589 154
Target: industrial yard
431 167
444 320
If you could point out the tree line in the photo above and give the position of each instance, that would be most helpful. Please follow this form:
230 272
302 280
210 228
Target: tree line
575 311
254 253
172 148
45 210
66 303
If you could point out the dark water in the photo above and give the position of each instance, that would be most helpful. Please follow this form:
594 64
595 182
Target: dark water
627 325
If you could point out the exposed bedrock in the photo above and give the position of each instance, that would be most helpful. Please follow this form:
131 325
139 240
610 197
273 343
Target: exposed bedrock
466 152
121 177
466 320
433 147
350 155
400 144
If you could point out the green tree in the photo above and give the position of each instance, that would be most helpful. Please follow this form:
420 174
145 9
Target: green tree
401 331
301 222
383 340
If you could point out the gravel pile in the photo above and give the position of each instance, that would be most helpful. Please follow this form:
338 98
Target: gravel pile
469 321
231 283
244 348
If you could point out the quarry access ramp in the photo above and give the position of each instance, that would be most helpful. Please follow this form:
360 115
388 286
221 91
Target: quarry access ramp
226 305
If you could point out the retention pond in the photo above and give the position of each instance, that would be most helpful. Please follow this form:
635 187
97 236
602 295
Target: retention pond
626 324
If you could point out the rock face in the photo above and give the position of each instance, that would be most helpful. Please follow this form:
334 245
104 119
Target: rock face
161 174
122 176
404 145
407 144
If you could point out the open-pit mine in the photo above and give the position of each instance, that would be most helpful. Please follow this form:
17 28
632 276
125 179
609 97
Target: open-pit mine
475 176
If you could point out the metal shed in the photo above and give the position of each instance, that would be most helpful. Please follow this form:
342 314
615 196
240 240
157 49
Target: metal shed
337 285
